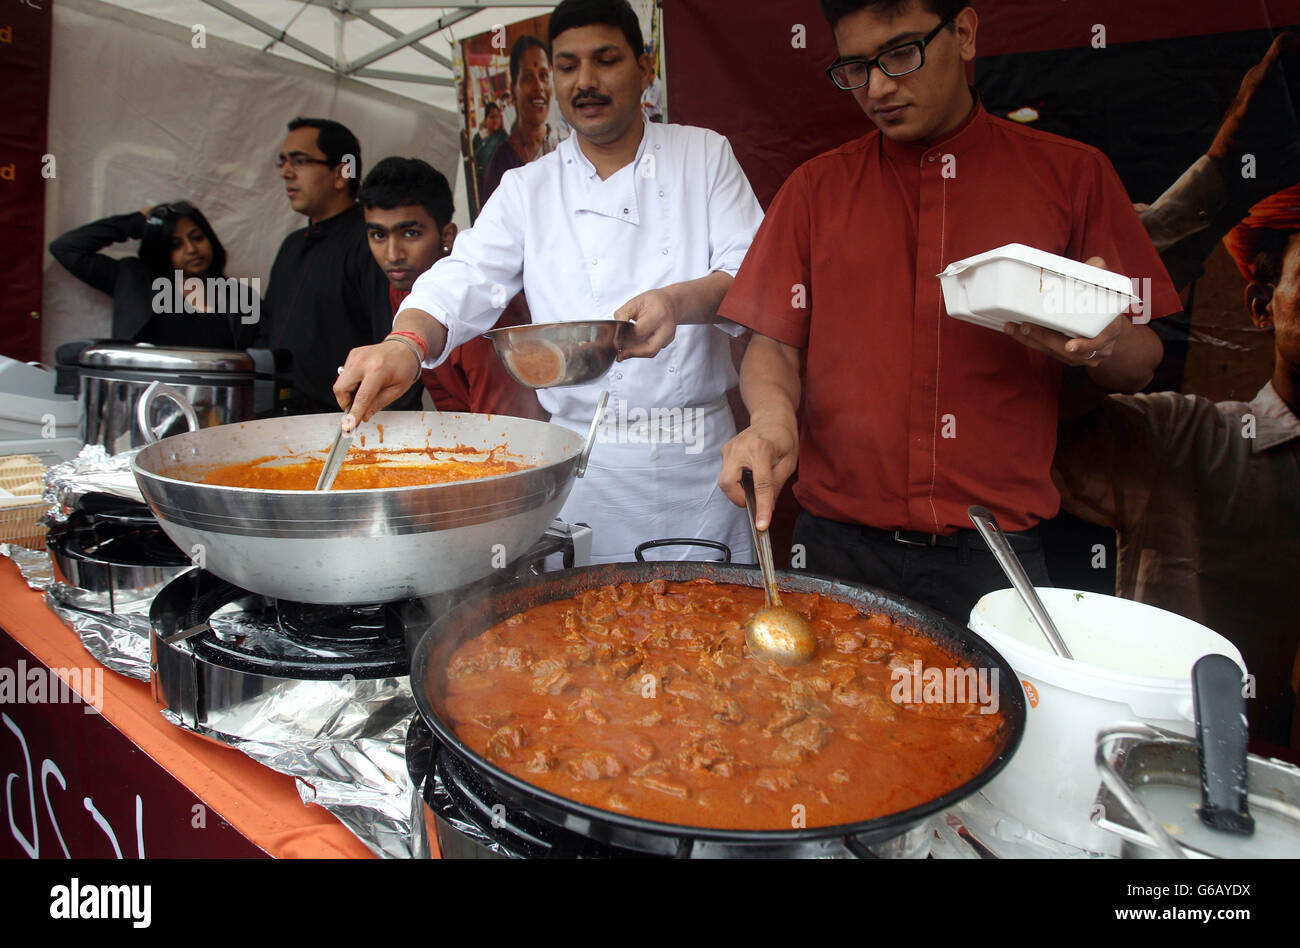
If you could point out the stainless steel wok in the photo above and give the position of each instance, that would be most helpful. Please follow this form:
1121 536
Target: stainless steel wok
359 546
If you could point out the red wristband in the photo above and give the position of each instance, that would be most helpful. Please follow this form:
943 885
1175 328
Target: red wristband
415 338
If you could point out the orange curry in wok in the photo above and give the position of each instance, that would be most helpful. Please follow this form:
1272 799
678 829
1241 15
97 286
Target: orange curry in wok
642 699
366 469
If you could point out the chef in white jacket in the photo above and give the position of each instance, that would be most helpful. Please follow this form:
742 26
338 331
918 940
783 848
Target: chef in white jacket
627 219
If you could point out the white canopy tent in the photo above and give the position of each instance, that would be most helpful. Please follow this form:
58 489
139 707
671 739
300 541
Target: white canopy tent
402 46
158 100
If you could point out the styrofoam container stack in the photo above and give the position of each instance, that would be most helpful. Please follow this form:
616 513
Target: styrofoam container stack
33 418
1019 284
1132 662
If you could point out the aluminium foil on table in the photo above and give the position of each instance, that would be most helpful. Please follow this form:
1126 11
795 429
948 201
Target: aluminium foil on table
343 742
117 640
93 471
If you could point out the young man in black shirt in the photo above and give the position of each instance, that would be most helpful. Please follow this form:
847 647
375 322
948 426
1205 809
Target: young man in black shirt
325 296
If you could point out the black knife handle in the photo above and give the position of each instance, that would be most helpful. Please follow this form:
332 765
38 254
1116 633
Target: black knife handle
1221 744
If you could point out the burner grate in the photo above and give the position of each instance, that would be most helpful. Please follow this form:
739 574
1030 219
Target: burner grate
117 540
232 628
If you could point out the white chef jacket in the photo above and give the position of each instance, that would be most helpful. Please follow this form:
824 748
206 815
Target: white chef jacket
580 248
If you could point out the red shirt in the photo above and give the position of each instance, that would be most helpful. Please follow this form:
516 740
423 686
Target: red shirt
472 379
910 416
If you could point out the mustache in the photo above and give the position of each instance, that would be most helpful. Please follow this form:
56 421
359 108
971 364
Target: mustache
590 97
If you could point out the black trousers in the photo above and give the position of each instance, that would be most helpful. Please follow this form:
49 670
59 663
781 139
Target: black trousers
950 579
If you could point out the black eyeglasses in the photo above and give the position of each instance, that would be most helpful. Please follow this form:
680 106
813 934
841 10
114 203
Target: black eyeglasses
301 161
850 74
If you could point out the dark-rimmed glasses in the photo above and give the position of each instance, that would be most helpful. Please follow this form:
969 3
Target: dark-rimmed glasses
850 74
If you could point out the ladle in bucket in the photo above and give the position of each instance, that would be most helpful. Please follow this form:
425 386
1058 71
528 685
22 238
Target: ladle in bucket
988 528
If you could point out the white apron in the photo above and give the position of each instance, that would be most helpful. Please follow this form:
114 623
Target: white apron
651 479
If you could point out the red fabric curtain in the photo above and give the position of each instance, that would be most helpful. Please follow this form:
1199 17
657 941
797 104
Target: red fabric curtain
25 79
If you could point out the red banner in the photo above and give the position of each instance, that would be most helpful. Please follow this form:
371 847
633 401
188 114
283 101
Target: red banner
24 166
77 787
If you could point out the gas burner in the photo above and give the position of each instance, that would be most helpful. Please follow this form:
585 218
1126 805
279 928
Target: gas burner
115 551
215 646
228 627
469 822
322 627
118 543
218 650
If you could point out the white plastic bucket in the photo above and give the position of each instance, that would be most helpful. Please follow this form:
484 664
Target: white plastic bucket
1132 662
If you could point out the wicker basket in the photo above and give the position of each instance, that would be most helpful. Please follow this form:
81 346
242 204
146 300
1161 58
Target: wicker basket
24 476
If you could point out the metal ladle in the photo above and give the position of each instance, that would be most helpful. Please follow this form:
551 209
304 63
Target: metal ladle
773 633
988 528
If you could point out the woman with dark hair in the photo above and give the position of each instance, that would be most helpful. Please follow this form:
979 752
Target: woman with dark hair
177 246
532 136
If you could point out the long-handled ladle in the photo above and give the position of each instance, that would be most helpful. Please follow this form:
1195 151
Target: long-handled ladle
774 632
988 528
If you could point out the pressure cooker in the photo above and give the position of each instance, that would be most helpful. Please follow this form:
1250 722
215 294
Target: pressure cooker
224 386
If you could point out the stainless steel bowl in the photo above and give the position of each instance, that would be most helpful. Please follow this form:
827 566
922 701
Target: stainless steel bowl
359 545
549 355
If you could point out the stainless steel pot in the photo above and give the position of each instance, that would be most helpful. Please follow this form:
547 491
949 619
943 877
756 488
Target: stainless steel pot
360 546
216 382
1151 790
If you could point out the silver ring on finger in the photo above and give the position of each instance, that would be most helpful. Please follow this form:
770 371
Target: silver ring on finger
1091 357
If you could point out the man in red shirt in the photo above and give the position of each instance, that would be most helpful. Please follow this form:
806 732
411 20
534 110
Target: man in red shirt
905 417
408 209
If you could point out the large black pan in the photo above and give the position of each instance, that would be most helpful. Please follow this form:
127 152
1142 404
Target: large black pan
487 607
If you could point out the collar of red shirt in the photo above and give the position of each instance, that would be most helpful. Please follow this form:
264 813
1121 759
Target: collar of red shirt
969 134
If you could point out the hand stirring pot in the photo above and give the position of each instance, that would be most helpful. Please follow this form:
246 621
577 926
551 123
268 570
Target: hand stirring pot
773 633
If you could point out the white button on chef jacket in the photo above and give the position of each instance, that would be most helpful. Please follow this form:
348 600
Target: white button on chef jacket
580 248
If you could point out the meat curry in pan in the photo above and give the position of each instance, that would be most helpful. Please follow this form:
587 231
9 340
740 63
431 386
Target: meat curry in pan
643 700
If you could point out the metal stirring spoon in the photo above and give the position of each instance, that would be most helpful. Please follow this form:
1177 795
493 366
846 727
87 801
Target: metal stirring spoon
338 451
774 632
988 528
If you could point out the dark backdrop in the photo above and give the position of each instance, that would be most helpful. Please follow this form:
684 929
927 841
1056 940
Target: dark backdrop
1151 98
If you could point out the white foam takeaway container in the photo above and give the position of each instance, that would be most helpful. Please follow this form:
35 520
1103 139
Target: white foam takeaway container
33 418
1019 284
